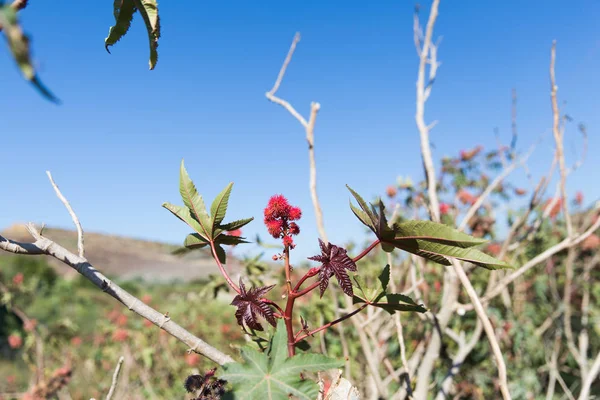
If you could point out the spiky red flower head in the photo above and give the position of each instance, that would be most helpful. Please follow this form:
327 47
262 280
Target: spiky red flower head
278 207
278 216
295 214
288 241
274 227
391 191
294 229
236 232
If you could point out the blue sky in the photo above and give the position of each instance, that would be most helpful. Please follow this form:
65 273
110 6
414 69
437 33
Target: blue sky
115 144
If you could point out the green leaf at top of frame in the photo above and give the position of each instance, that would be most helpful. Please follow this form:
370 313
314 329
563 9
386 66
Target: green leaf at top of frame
123 11
18 44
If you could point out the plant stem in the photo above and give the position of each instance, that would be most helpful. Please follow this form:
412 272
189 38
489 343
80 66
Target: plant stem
288 280
303 292
222 269
289 327
327 325
366 251
272 303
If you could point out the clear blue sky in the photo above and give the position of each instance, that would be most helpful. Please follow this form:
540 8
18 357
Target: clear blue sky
115 144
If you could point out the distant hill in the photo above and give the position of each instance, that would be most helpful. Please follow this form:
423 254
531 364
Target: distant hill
127 258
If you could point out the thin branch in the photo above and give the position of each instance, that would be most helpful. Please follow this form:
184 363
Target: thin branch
487 327
589 380
558 137
115 378
422 95
336 321
46 246
80 243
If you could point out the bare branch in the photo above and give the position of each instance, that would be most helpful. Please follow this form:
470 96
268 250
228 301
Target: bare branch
558 138
589 380
46 246
487 327
427 50
115 378
80 246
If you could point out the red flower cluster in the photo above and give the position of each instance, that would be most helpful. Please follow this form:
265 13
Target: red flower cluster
444 208
468 155
279 215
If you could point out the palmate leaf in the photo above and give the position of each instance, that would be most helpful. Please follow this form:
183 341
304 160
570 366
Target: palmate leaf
430 240
207 228
249 305
273 375
376 295
123 11
18 43
334 261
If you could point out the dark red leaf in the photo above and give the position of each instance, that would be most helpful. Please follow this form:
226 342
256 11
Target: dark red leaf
334 261
249 304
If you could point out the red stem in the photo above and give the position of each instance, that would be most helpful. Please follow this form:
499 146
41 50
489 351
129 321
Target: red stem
289 308
327 325
303 292
272 303
227 278
301 281
366 251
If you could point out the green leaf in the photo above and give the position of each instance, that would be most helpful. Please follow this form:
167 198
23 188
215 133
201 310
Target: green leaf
123 11
232 226
438 252
274 376
230 240
195 241
376 295
434 232
221 254
18 43
366 216
183 214
398 302
194 202
219 206
149 11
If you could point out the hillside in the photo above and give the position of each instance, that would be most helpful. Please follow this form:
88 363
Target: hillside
127 258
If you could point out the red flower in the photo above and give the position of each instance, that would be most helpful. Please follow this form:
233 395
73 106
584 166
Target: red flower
391 191
18 279
466 197
278 207
15 341
591 242
278 217
274 227
147 298
468 155
444 208
288 241
294 229
30 325
76 341
578 198
295 214
237 232
122 320
520 192
120 335
494 248
555 209
192 359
